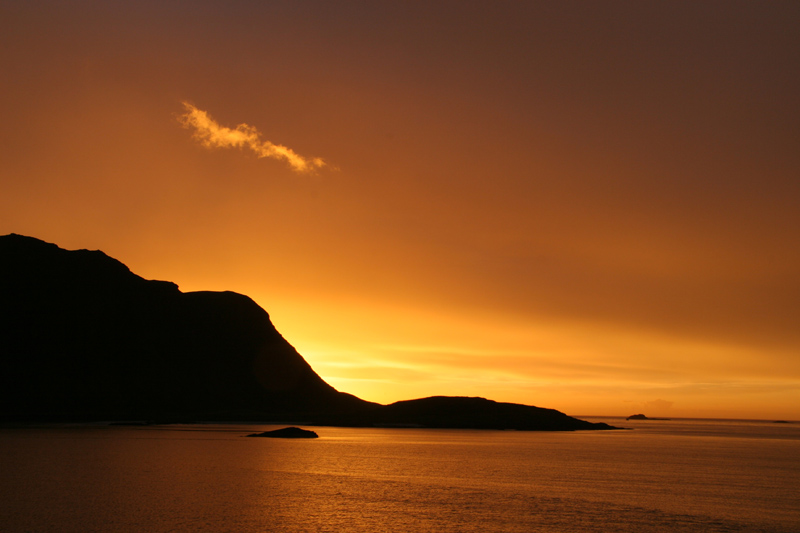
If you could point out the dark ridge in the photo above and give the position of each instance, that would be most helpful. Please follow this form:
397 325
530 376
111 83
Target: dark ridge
459 412
82 338
453 412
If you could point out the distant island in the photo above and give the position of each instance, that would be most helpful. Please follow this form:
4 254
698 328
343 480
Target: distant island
85 339
287 433
640 416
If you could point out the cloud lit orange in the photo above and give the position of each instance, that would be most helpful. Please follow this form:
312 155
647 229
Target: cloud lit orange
212 135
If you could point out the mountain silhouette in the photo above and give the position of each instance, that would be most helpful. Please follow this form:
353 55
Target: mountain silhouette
82 338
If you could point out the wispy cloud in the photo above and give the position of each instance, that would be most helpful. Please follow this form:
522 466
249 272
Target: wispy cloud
212 135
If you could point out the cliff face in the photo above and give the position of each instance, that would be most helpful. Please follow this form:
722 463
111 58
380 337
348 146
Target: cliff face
81 337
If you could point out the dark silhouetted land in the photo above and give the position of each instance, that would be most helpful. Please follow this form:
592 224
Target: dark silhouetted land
84 339
287 433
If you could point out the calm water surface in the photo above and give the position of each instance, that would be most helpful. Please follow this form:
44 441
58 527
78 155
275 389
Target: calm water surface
679 476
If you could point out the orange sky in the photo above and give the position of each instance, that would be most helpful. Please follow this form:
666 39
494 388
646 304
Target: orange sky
590 206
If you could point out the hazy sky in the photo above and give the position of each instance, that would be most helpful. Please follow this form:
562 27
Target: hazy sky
589 206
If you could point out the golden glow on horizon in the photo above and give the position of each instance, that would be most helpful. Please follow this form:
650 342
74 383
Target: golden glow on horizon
537 363
212 135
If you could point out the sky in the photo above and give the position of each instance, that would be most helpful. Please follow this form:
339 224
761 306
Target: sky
587 206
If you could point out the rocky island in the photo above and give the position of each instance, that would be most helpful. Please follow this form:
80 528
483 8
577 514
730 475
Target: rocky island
82 338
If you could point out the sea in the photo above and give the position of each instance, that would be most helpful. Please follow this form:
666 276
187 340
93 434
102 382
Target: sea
655 476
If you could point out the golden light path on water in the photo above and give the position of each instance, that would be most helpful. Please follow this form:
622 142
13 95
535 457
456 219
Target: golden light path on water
661 476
